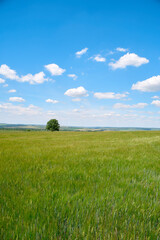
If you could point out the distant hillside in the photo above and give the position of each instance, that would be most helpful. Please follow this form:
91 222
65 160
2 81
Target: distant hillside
21 127
25 127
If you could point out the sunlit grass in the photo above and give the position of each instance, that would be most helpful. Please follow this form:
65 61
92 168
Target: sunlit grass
73 185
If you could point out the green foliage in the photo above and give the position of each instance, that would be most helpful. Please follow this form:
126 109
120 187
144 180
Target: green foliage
79 185
53 125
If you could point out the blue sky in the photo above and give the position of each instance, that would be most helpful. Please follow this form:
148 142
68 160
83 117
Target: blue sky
86 63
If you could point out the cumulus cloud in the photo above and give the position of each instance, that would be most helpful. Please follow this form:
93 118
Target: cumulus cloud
76 92
33 79
11 74
126 106
2 80
12 91
109 95
99 58
80 53
156 103
16 99
129 59
54 69
7 72
149 85
51 101
119 49
5 85
74 76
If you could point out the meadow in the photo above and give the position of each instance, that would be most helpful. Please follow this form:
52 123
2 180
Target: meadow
79 185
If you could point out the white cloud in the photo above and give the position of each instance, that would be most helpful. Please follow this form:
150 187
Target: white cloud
119 49
155 97
76 92
51 113
2 80
109 95
12 91
98 58
76 100
126 106
51 101
80 53
110 53
31 114
76 110
74 76
5 85
110 114
54 69
149 85
20 110
11 74
16 99
33 79
8 72
129 59
156 103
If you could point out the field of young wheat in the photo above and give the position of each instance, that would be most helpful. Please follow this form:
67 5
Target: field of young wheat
79 185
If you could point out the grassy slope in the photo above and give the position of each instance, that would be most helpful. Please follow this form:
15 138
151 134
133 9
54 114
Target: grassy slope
73 185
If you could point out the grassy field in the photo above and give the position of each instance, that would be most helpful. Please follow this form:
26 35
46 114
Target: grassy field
75 185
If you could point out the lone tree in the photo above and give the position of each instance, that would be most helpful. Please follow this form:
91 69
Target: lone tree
53 125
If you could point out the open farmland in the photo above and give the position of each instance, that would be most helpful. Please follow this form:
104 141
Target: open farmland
79 185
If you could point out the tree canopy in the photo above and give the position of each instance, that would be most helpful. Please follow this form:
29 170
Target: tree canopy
53 125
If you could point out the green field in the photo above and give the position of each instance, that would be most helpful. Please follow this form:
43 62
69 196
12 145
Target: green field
79 185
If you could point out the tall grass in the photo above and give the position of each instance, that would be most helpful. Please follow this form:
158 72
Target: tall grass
73 185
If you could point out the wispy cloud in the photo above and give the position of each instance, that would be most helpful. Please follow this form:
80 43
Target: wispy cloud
12 91
51 101
138 105
2 80
76 100
82 52
20 110
119 49
155 97
73 76
110 95
16 99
